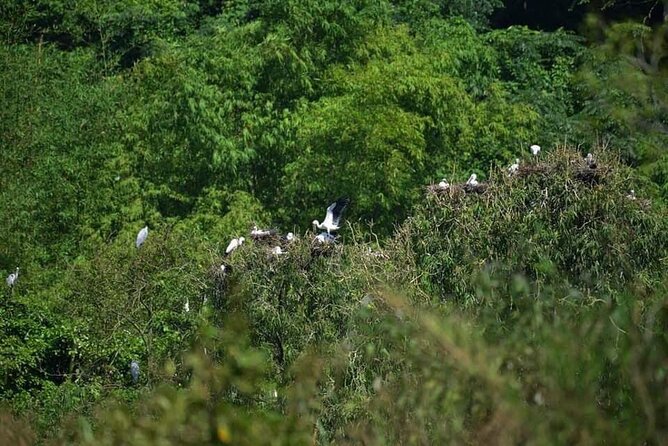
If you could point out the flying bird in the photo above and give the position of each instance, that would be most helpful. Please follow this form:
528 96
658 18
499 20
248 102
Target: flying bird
134 371
11 279
333 217
514 167
141 236
234 244
535 149
473 180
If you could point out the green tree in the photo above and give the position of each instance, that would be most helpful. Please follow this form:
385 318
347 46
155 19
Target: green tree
625 89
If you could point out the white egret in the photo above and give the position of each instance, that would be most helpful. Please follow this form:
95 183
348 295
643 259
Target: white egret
261 233
11 279
473 180
290 237
630 196
443 184
277 251
186 306
514 167
134 371
535 149
234 244
333 217
141 236
325 237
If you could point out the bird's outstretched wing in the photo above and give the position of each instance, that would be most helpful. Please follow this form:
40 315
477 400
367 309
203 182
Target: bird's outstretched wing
335 210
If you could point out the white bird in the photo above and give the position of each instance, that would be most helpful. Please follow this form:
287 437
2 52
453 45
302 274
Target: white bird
630 196
277 251
11 279
234 244
259 233
222 268
134 371
589 159
443 184
290 237
333 217
186 306
535 149
141 236
325 237
514 167
473 180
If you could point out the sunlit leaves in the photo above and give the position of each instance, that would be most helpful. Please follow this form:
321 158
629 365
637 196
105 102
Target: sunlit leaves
391 122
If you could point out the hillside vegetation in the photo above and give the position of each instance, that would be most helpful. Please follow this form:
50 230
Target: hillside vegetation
529 309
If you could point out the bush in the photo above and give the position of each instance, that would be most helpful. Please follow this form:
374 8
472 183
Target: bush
554 219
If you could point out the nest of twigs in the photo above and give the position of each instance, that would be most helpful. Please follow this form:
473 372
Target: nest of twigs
592 175
456 190
272 238
322 249
479 188
527 170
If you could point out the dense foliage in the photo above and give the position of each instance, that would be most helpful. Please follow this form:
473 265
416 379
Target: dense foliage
530 310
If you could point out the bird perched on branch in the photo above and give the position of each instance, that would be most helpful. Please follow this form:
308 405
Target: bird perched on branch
333 217
261 233
134 371
141 236
11 279
234 244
